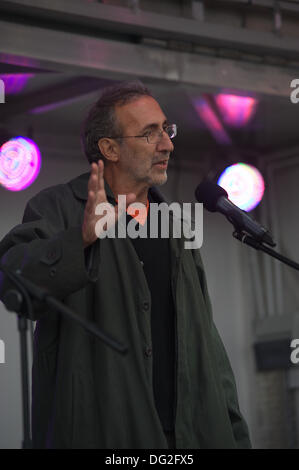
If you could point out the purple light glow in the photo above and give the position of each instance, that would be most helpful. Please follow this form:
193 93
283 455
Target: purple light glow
52 106
212 122
244 184
20 163
14 83
236 110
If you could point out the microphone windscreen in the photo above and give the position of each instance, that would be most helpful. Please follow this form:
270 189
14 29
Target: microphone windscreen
208 193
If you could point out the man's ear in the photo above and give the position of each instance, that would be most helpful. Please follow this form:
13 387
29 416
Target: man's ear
109 148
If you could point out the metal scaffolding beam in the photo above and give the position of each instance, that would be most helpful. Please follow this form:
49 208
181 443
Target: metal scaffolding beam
51 97
65 52
119 20
285 6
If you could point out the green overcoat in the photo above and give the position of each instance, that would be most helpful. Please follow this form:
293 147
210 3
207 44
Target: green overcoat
85 395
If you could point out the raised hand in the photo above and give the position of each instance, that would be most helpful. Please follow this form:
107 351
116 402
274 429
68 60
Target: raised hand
97 195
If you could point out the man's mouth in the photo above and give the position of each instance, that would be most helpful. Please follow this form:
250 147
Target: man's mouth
162 163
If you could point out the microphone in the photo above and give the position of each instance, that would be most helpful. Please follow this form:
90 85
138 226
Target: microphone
215 199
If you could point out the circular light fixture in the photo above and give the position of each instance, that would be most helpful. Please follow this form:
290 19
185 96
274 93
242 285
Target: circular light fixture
20 163
244 184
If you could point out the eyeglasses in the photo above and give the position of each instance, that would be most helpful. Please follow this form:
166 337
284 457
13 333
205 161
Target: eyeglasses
153 137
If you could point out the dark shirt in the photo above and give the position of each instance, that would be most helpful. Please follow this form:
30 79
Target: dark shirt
155 255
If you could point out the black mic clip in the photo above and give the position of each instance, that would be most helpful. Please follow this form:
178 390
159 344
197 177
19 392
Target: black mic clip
263 236
247 239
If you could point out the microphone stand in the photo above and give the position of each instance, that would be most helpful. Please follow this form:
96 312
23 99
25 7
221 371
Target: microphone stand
14 299
249 240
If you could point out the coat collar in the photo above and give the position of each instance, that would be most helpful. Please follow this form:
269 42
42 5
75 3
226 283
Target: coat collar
79 188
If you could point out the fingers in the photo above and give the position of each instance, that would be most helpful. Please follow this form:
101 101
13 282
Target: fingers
93 178
96 183
101 193
96 194
90 205
101 185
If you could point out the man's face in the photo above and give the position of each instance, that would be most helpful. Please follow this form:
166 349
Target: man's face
140 161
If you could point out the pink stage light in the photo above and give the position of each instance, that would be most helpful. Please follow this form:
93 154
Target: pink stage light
236 110
244 184
20 163
212 121
14 83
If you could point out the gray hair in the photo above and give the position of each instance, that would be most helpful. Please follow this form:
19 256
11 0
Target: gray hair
101 120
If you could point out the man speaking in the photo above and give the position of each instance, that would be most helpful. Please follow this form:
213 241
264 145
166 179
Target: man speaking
175 387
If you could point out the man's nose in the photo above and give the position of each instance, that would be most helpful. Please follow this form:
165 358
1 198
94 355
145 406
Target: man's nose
165 143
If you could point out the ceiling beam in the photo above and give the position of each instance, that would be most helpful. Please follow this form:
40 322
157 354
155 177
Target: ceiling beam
51 96
121 20
114 60
256 5
16 69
